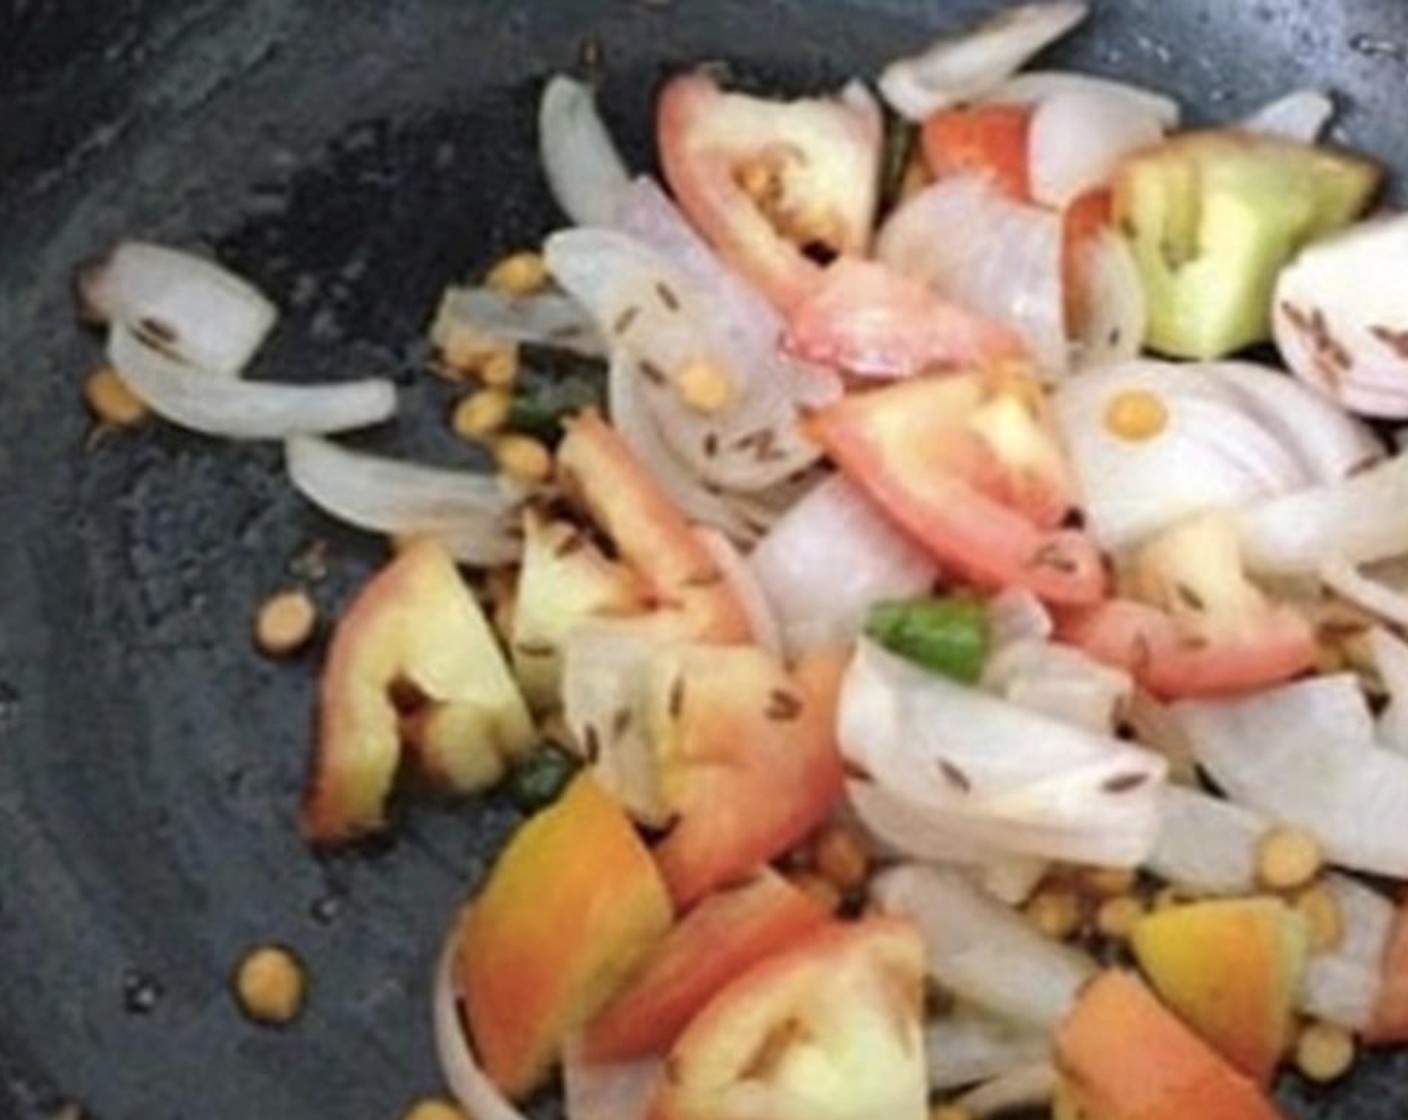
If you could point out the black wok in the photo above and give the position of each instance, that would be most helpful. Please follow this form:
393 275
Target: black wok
352 157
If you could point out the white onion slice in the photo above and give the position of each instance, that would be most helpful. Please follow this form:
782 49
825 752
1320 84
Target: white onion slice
205 315
586 172
626 384
543 319
828 560
1340 317
1009 879
1303 115
1207 844
746 325
744 584
1117 312
610 1091
474 515
970 1046
984 952
985 252
1390 656
1364 590
991 775
1357 521
605 686
1213 452
1305 754
1344 985
1059 681
1040 85
227 406
1030 1087
652 311
1079 138
966 65
461 1070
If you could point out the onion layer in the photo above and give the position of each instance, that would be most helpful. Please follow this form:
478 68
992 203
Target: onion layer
1079 138
583 167
545 319
1303 116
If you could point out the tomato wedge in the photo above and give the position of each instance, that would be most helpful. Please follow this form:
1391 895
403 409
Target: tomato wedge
1125 1057
1390 1025
595 465
1198 626
1082 223
772 185
869 320
969 467
724 936
993 140
747 757
830 1030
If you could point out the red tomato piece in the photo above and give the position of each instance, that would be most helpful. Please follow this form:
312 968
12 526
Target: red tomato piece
651 535
869 320
771 184
986 139
1084 219
728 933
969 467
747 759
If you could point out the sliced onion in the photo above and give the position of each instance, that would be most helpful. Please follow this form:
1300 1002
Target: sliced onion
1305 754
1207 844
626 384
970 1046
1117 312
227 406
476 516
545 319
1303 116
956 68
652 312
739 576
1390 656
205 316
609 1091
1059 681
828 560
994 256
461 1070
910 830
1340 316
1030 1087
605 684
984 952
1360 587
746 325
1016 615
1009 879
1213 451
1040 85
1344 984
1357 521
1010 781
1079 138
586 172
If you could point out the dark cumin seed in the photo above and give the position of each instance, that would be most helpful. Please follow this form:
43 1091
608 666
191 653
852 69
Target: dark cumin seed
592 739
667 296
711 445
653 373
621 723
955 777
1124 783
536 649
677 698
783 707
624 320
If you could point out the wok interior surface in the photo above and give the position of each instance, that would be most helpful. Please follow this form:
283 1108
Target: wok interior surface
351 157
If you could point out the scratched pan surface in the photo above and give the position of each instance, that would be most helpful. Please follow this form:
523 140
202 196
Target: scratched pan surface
352 156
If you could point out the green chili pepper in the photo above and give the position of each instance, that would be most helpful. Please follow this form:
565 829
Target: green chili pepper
948 636
543 402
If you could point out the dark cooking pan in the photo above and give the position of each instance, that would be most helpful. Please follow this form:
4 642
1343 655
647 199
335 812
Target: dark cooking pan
352 157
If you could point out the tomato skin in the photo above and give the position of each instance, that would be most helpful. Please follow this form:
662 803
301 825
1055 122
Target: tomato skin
747 758
1173 663
728 933
869 320
1390 1024
765 181
1082 223
652 536
980 511
985 139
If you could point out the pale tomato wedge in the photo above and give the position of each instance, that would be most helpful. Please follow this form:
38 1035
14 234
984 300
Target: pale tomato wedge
1198 627
652 536
870 320
1084 220
992 140
728 933
747 760
773 185
969 467
830 1030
